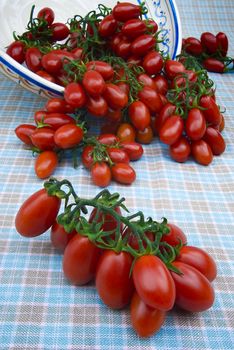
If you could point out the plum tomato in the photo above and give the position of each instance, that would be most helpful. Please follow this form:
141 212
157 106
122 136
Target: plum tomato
180 150
107 27
24 131
93 83
151 98
68 136
74 95
45 164
126 132
118 155
202 152
195 124
171 129
175 235
153 63
139 115
123 173
59 237
17 51
133 149
43 138
124 11
173 68
115 97
47 14
101 174
142 44
215 140
210 110
146 136
133 28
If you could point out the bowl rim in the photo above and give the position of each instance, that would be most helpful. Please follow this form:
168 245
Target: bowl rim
56 89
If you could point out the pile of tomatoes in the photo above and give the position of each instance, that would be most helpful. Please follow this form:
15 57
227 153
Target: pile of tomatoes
131 259
211 51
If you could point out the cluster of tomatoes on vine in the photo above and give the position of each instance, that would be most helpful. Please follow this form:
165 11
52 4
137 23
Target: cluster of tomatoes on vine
132 259
210 50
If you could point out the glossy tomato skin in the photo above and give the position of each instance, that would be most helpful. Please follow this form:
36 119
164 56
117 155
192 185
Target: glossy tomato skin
113 283
142 44
146 80
145 320
215 140
126 132
93 83
213 65
115 97
45 75
68 136
17 51
80 260
180 150
173 68
24 131
193 46
97 106
200 260
124 11
193 290
139 115
175 236
51 63
202 152
153 282
153 63
222 43
56 120
151 99
101 174
56 105
209 42
37 214
211 110
161 84
108 139
167 110
33 58
171 129
195 125
107 26
104 68
43 138
59 31
133 149
74 95
87 157
47 14
133 28
45 164
118 155
59 237
123 173
146 136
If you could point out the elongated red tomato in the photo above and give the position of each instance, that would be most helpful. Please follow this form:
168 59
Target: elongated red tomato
56 105
56 120
87 156
161 84
200 259
133 28
142 44
151 99
108 139
113 283
153 282
97 106
195 124
107 26
101 174
171 129
209 42
213 65
126 132
123 173
145 320
173 68
24 131
222 43
211 110
215 140
146 80
104 68
37 214
51 63
124 11
133 149
47 14
45 164
93 83
180 150
17 51
202 152
74 95
153 63
165 113
68 136
118 155
193 46
80 260
175 236
193 290
43 138
139 115
59 237
33 58
115 97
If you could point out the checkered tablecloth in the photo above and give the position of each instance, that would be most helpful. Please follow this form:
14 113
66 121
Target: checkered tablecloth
39 309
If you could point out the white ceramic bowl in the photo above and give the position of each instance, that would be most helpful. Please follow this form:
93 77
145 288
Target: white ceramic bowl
14 16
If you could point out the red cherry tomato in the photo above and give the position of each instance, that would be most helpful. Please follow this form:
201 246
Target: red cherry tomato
199 259
195 125
123 173
133 149
105 69
215 140
17 51
152 26
146 81
173 68
74 95
222 43
56 120
80 260
51 63
171 129
161 84
109 222
68 136
153 63
202 152
139 115
151 99
101 174
166 111
108 139
126 132
193 46
59 31
87 157
107 26
43 138
118 155
47 14
123 48
45 164
142 44
59 237
113 281
93 83
211 110
133 28
33 58
37 214
56 105
209 42
115 97
46 76
213 65
180 150
193 290
114 115
24 132
146 136
124 11
145 320
153 282
97 106
175 236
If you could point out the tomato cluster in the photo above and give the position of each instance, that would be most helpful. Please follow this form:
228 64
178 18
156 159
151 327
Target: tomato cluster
132 260
211 51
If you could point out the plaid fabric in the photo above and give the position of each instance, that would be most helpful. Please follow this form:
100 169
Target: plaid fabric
39 309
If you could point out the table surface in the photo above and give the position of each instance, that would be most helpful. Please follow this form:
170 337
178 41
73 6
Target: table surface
39 309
